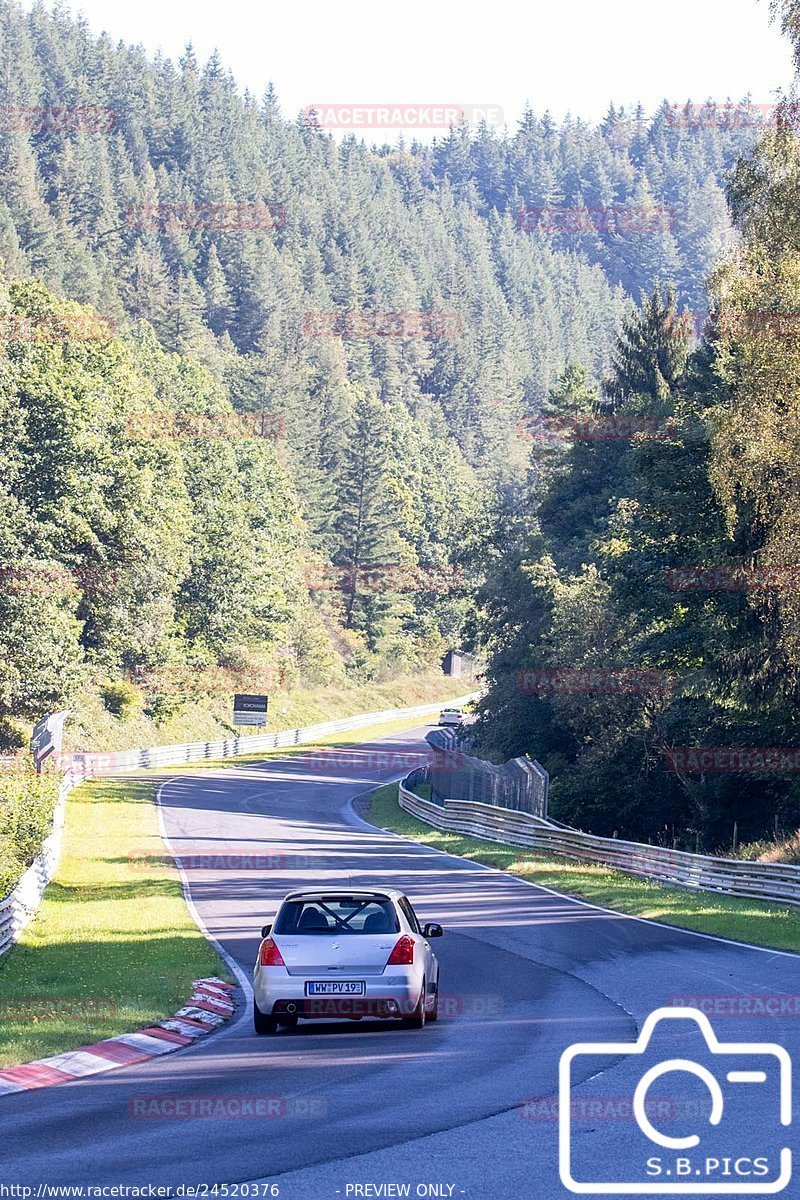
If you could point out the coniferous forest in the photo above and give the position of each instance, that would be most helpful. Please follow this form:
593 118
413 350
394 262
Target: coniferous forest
583 458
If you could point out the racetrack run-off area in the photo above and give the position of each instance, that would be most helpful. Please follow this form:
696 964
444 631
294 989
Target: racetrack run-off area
317 1110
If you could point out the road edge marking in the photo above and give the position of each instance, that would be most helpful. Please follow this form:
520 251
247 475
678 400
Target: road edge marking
542 887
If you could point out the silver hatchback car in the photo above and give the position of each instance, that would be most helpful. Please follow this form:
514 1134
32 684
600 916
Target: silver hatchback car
347 953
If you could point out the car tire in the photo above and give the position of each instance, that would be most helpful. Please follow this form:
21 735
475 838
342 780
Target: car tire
418 1019
263 1023
289 1021
433 1015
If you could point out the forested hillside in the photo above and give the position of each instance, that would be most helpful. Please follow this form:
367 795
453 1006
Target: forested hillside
208 230
643 612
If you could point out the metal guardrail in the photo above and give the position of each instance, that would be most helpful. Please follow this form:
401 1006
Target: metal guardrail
777 882
17 908
91 765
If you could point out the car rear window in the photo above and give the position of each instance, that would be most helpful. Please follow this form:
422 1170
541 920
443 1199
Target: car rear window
338 915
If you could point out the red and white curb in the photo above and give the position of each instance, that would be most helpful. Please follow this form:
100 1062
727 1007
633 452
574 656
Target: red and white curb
209 1007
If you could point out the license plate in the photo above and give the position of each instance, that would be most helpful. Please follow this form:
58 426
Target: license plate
336 987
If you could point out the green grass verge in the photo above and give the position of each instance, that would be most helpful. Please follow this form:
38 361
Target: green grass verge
113 947
743 920
208 717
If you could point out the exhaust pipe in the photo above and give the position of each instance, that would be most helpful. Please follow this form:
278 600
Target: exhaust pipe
291 1008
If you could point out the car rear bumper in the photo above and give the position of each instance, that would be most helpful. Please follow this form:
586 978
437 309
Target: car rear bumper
320 1008
393 996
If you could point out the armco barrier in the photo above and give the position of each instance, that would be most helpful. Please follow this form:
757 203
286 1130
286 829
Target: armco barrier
19 906
763 881
91 765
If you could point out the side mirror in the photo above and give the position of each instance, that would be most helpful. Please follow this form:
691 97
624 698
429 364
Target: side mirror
265 930
432 930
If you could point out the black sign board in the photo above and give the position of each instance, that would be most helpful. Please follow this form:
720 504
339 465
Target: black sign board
250 710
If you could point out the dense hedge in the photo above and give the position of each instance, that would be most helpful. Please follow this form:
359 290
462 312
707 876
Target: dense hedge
27 802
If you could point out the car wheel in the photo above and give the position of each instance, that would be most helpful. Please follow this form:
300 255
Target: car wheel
418 1019
261 1022
433 1015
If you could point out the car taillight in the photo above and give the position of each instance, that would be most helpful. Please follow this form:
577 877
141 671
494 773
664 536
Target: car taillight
403 953
270 954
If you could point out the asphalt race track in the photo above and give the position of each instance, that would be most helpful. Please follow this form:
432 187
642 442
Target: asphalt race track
359 1106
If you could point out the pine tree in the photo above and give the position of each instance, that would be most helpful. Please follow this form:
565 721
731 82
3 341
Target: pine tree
652 351
365 525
